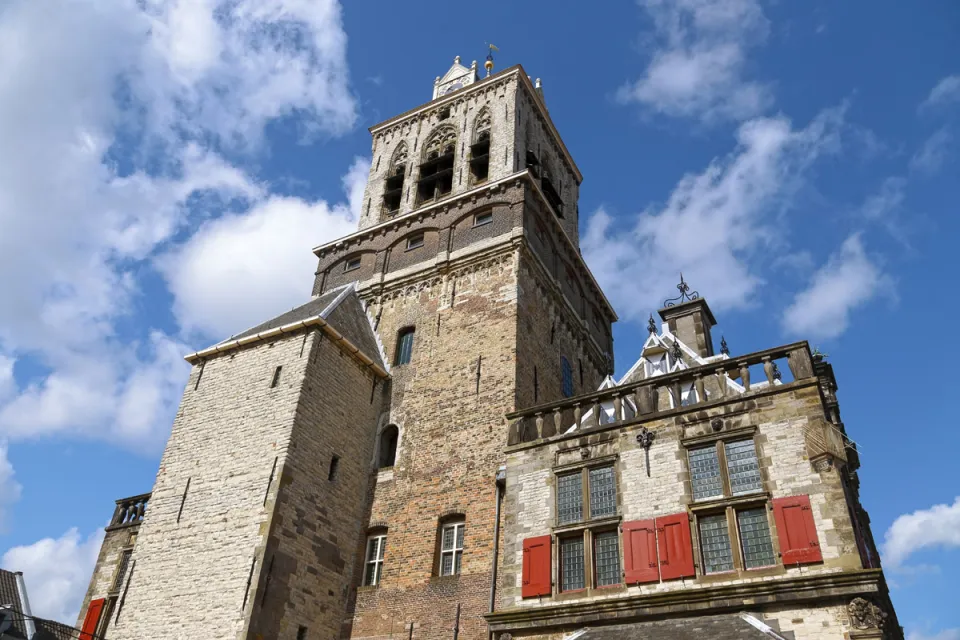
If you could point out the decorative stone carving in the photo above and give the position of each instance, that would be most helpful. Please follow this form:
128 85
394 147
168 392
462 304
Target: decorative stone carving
823 464
866 615
716 424
584 453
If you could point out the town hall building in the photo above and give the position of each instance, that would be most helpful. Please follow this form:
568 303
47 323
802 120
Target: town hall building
433 444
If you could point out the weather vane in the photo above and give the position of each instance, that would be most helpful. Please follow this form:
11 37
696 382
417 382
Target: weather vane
488 65
685 295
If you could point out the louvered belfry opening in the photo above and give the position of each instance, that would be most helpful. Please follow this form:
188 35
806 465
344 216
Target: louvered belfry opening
436 174
393 192
480 157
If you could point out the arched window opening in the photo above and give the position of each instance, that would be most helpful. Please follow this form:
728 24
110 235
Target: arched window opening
566 372
388 446
436 170
405 346
480 149
393 189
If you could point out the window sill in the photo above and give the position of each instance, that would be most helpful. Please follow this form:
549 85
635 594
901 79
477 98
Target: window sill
368 588
596 523
419 246
760 497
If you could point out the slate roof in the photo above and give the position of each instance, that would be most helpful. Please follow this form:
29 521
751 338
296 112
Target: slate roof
341 309
720 627
9 594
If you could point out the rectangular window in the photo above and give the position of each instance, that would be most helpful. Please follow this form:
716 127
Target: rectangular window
415 242
482 218
451 549
607 558
352 264
715 544
374 562
405 346
121 570
569 498
742 467
571 564
755 538
705 473
603 492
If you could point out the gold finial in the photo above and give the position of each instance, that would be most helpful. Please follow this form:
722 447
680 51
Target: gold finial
488 64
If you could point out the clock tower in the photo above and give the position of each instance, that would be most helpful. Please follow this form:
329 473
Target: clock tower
457 77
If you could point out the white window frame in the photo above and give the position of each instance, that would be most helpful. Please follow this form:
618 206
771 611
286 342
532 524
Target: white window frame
415 241
458 528
380 542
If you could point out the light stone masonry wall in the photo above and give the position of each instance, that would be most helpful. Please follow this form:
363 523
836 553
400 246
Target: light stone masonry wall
781 419
188 578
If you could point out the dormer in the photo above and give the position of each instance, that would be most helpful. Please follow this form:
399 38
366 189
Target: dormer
457 77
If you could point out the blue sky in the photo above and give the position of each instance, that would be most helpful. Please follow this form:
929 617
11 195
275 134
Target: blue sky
166 167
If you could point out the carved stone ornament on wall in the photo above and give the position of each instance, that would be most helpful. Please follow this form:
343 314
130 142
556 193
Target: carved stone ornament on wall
866 615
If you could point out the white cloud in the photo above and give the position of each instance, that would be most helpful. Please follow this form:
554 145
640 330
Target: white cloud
933 153
884 204
57 573
938 526
698 67
9 488
945 634
91 194
713 222
946 92
848 280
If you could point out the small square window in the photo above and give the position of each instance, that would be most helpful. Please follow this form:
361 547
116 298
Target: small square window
482 218
415 242
351 264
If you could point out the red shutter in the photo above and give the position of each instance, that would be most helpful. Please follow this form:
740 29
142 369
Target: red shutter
796 530
536 567
676 550
640 563
91 620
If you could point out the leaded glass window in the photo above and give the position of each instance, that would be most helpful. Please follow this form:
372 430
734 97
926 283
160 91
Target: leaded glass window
451 549
715 544
603 492
705 473
607 546
572 575
121 569
742 467
405 346
755 538
374 562
569 498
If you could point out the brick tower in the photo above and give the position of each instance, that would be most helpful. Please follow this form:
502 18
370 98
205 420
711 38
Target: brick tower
337 471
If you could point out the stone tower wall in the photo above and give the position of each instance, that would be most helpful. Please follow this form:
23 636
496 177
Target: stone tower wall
308 565
230 435
448 403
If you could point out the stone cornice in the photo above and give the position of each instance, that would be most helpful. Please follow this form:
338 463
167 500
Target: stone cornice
699 600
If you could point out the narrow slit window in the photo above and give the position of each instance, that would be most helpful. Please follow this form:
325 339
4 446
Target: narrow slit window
405 346
334 467
567 377
276 377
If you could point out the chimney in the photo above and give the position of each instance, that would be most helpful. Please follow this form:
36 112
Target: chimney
691 321
28 624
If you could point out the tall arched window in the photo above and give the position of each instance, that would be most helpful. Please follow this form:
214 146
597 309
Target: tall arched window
393 189
436 169
480 149
405 345
388 446
566 372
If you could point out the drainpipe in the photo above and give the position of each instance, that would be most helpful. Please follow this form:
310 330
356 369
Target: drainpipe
28 624
500 481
